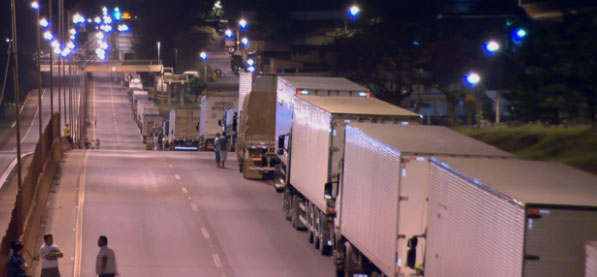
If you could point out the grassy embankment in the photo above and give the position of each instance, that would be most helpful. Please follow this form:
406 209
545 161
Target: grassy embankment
575 146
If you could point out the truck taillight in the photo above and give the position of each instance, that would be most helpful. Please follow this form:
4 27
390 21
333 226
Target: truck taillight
331 210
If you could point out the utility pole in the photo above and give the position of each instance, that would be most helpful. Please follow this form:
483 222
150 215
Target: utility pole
59 38
15 68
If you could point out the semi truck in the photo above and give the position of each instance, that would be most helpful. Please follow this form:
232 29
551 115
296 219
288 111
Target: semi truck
286 88
255 137
316 154
496 217
381 202
213 106
150 122
591 259
182 129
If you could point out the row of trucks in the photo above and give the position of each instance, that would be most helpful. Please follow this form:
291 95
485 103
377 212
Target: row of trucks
386 196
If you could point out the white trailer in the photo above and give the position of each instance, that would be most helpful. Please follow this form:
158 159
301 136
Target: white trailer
383 194
317 142
213 106
591 259
286 88
150 122
182 129
494 217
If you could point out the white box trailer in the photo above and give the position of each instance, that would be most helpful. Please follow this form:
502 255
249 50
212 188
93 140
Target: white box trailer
182 129
150 122
317 142
383 194
591 259
139 95
495 217
213 106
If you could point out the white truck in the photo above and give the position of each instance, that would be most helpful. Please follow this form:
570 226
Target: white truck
150 122
591 259
382 201
286 88
495 217
316 154
213 106
182 129
139 95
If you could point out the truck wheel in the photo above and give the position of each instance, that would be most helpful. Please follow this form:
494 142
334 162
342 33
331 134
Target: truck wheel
294 212
311 237
240 165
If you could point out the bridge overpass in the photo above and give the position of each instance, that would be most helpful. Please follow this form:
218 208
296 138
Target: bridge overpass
95 66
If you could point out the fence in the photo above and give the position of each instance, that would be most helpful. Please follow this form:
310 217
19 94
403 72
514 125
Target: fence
30 204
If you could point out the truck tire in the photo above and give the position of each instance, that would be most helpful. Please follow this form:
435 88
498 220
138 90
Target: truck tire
294 211
311 236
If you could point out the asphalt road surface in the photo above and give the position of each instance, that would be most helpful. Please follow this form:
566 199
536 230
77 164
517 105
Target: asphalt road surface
176 214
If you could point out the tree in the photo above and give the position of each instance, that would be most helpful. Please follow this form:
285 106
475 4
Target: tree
196 87
559 83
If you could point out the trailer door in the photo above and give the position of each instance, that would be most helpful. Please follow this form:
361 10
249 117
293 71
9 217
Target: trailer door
555 240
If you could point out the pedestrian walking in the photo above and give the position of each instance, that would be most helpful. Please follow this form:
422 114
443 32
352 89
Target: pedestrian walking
221 149
49 253
16 263
105 264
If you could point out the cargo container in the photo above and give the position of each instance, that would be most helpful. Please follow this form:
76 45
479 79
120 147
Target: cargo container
182 129
150 122
213 106
491 217
286 88
255 140
382 206
316 153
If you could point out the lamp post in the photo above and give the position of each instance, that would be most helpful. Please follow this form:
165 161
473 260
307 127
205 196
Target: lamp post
491 48
353 13
159 44
203 57
35 6
15 71
51 66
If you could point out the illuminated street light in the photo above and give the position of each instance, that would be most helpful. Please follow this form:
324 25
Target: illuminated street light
55 44
78 19
251 69
44 23
203 56
48 35
472 79
35 5
250 62
123 28
243 24
518 35
228 33
245 41
73 31
99 35
354 11
491 47
117 14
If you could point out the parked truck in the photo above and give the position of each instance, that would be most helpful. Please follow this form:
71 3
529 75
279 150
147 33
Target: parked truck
213 106
495 217
286 88
182 129
150 122
255 139
316 154
382 206
591 259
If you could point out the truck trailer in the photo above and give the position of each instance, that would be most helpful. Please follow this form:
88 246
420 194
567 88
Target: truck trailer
382 205
255 139
182 129
495 217
213 106
591 259
150 122
316 154
286 88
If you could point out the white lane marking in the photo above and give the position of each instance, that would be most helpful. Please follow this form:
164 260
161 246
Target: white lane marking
217 260
177 177
205 233
170 166
33 121
79 218
184 190
10 168
194 207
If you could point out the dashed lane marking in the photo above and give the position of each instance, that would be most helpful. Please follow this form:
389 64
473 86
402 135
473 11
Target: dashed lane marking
217 260
205 233
194 207
184 190
170 165
177 177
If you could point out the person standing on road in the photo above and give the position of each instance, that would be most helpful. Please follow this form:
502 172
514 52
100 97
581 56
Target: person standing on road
217 149
223 141
105 264
49 254
66 131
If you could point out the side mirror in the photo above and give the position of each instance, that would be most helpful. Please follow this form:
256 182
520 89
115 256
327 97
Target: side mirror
328 190
411 255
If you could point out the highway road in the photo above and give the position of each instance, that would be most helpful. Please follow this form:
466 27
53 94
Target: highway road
175 213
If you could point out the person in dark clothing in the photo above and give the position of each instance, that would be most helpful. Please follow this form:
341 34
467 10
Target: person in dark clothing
16 263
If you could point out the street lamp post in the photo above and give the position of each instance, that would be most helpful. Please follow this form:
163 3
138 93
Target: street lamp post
51 66
35 6
15 67
492 47
203 57
353 13
159 44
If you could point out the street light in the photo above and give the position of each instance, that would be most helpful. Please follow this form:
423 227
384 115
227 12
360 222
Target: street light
242 24
491 47
245 42
203 56
471 79
159 44
44 23
518 35
228 33
250 62
35 5
353 11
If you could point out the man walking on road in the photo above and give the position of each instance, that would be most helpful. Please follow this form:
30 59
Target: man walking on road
49 254
105 264
221 149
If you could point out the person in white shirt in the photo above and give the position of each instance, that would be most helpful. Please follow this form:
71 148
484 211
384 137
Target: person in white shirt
49 254
105 264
